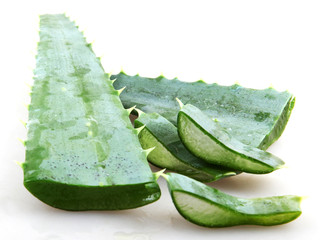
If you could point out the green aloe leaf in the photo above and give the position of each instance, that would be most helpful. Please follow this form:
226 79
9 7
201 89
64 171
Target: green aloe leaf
206 139
82 152
209 207
170 152
254 117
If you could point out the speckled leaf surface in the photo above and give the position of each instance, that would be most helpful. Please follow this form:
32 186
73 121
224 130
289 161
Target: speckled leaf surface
82 152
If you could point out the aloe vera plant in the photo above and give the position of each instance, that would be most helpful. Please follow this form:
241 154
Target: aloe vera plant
82 152
254 117
209 207
205 138
169 151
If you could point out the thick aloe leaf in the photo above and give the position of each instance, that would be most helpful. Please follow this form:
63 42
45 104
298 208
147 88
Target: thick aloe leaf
210 207
169 151
254 117
206 139
82 152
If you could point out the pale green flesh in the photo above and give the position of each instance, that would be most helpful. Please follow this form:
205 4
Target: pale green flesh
209 214
254 117
210 207
82 152
206 139
170 153
163 158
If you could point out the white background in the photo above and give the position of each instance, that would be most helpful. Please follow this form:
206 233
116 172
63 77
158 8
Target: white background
256 43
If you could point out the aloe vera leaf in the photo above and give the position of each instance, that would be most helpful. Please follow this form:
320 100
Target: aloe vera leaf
209 207
254 117
82 152
169 151
206 139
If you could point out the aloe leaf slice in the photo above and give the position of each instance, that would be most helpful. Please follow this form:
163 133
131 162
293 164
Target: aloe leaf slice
206 139
82 152
255 117
169 151
209 207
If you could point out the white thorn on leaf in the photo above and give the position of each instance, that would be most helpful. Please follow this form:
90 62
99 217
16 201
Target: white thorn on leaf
20 164
23 142
23 123
160 173
148 151
181 105
140 112
129 110
228 174
120 90
112 81
28 85
139 129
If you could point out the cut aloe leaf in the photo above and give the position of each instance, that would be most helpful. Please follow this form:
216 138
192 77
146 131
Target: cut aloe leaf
209 207
255 117
169 151
82 152
206 139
